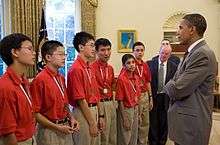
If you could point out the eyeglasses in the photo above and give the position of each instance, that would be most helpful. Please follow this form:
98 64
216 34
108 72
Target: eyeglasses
60 54
90 45
30 48
139 50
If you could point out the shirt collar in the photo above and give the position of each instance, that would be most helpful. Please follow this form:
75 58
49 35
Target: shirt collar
101 63
165 63
16 78
50 72
194 44
139 63
82 62
129 75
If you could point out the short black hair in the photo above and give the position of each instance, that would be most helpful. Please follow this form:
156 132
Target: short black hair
165 39
49 47
102 42
125 57
12 41
81 38
198 21
138 43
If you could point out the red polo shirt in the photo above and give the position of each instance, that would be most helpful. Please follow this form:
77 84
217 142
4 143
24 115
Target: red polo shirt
128 89
16 114
81 83
47 96
105 78
143 71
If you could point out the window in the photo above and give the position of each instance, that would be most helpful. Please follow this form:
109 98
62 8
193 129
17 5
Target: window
61 26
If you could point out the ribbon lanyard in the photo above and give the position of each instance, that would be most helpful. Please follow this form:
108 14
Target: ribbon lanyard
61 88
132 85
106 74
26 95
140 72
89 76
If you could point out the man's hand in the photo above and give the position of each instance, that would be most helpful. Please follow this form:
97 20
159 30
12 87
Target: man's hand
74 124
93 129
65 129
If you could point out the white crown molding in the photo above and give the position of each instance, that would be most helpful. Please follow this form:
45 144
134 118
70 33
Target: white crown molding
173 20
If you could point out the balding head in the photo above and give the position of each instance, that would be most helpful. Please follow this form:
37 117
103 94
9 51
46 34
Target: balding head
165 52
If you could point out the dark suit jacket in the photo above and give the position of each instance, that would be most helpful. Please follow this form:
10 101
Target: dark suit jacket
153 65
190 90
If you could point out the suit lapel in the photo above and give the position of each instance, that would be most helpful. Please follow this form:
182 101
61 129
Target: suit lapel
183 64
168 71
156 69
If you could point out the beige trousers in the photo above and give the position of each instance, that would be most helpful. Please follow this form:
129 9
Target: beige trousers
128 137
83 137
109 136
30 141
143 112
46 136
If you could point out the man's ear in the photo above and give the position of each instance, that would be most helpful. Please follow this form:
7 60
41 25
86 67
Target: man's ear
193 29
14 52
81 47
47 57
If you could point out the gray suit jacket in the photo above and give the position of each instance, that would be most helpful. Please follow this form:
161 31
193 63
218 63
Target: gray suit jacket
190 92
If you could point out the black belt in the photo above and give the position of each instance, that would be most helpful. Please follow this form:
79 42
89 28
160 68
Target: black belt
61 121
92 104
106 99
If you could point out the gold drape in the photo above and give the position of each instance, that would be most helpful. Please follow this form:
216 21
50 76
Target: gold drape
88 15
26 16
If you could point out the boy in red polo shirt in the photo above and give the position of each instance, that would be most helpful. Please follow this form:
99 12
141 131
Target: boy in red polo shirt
83 91
146 101
17 123
105 79
128 93
50 100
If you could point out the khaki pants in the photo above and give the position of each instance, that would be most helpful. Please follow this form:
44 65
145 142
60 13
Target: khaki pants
83 137
30 141
128 137
46 136
109 136
143 126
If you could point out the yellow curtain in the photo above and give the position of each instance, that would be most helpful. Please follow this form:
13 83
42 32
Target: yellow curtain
25 15
88 15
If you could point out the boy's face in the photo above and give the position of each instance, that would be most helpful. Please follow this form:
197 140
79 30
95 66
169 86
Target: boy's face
104 53
88 50
25 54
57 59
138 52
130 65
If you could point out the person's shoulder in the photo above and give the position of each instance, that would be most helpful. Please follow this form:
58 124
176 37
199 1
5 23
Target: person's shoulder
42 76
173 64
6 81
8 87
122 76
152 61
75 69
110 66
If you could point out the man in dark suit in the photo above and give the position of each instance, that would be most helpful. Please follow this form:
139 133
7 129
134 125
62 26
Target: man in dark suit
162 70
190 90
